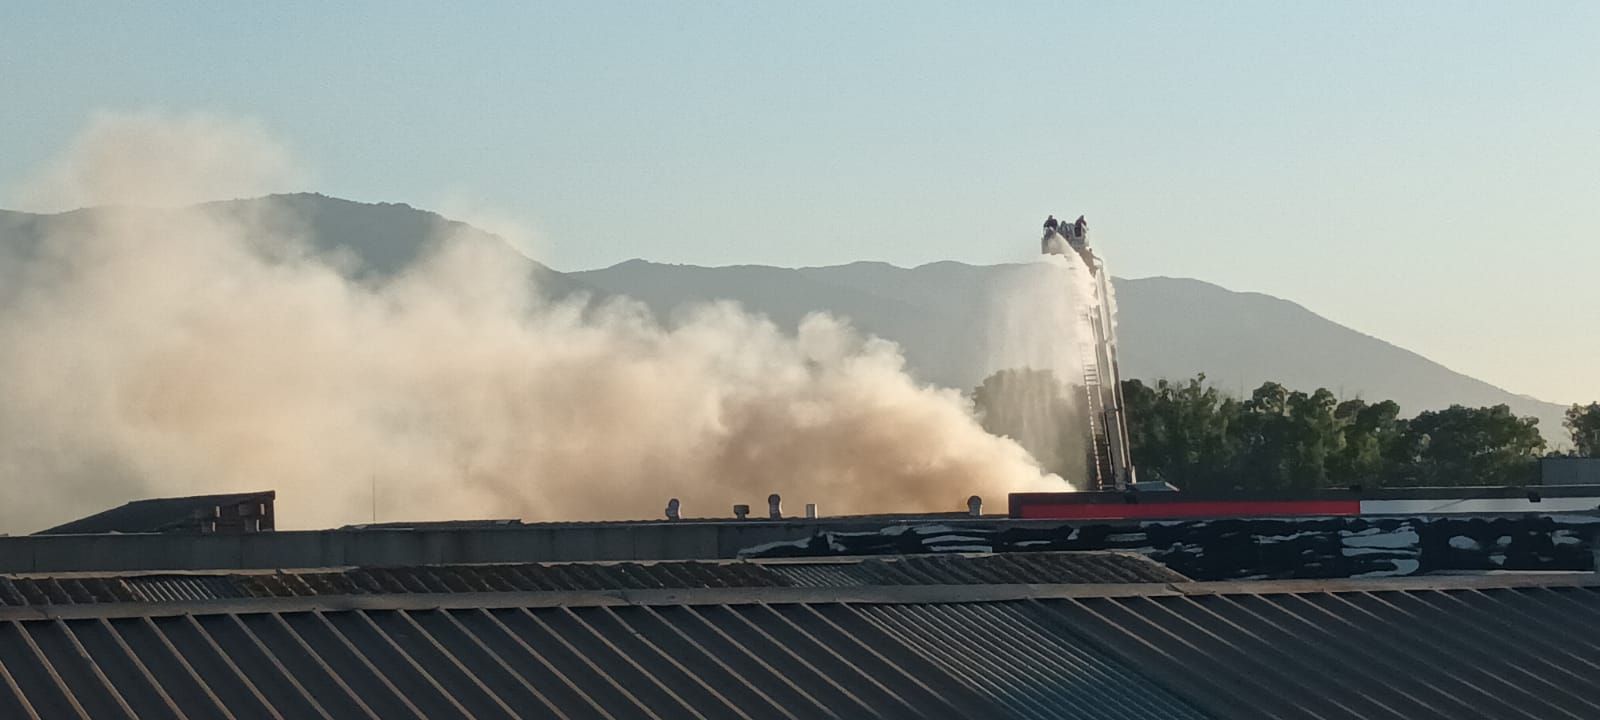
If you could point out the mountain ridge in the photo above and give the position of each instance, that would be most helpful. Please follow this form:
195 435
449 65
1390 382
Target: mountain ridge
1170 327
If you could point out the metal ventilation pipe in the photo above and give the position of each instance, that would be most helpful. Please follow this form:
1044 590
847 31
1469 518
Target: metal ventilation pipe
775 506
741 511
673 508
975 506
811 511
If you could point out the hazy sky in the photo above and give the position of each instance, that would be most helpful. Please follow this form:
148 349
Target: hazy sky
1428 173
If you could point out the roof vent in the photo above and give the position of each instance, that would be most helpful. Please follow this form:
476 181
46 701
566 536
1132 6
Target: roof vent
673 509
775 506
741 511
811 511
975 506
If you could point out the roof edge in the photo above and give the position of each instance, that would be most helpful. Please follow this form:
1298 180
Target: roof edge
866 595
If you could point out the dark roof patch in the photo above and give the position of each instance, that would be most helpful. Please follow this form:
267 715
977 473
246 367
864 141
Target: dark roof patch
179 514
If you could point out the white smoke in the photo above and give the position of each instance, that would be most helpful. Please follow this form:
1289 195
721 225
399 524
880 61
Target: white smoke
160 353
156 160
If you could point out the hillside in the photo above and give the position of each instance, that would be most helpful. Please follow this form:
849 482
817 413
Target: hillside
367 241
1170 327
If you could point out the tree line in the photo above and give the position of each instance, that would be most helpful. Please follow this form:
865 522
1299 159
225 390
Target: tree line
1196 437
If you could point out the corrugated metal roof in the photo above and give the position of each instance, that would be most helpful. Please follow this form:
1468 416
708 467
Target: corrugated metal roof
1512 652
1014 568
1026 669
713 661
991 569
1501 647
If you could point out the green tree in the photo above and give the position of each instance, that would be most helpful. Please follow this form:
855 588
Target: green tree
1370 433
1196 438
1314 437
1181 433
1468 446
1287 438
1583 421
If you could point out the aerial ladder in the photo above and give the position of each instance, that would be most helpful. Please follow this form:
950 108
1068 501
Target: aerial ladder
1110 464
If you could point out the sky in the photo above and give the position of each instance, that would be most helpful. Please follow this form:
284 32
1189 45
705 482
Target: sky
1425 172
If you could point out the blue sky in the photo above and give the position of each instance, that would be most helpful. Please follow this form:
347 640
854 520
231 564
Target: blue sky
1426 172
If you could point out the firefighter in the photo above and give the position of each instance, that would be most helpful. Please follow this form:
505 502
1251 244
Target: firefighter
1051 223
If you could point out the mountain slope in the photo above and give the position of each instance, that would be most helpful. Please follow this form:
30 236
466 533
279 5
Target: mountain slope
1176 327
1168 327
786 296
938 313
366 241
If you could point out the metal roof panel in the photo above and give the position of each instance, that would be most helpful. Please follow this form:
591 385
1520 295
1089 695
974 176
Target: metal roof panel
1439 648
1016 568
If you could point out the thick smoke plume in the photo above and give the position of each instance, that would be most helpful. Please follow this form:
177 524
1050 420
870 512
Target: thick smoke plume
154 353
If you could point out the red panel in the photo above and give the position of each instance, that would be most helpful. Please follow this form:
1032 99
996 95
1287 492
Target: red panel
1216 508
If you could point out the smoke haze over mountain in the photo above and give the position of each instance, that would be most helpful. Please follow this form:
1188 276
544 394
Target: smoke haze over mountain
156 160
1167 328
157 352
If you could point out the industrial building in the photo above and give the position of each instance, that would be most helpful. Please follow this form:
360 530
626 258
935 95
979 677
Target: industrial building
1054 635
1332 535
959 615
1562 470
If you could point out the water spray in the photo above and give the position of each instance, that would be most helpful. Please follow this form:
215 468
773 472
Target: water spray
1111 466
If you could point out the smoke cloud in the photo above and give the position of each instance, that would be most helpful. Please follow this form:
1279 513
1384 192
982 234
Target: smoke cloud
147 353
156 160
